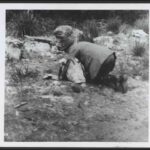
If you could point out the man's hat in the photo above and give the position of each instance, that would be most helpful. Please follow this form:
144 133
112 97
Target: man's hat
63 31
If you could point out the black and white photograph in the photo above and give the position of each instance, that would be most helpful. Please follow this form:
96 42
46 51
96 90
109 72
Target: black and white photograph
76 75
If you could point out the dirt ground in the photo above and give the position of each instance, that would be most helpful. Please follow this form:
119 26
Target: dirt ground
62 111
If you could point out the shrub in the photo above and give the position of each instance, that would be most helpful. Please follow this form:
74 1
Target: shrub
26 23
22 71
139 49
125 28
142 23
90 30
114 24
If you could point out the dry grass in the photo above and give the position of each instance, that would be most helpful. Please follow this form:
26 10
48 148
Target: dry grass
139 49
90 30
143 24
125 28
114 24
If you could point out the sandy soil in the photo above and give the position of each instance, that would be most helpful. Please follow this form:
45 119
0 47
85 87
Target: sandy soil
56 111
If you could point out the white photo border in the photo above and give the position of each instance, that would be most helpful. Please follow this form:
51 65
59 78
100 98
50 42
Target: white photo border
56 6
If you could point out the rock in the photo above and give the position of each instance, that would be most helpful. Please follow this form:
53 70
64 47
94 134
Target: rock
83 85
67 99
138 33
76 88
138 77
56 83
45 91
50 76
86 103
57 92
110 33
17 113
138 37
104 41
49 97
14 48
42 49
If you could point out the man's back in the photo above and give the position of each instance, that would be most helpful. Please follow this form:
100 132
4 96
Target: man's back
92 56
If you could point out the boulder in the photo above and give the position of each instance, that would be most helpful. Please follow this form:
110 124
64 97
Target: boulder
42 49
115 42
104 41
14 48
138 33
138 36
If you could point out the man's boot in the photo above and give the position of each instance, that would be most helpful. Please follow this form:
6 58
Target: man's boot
117 83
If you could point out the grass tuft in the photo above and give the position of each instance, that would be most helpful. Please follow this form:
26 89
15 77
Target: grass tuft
143 24
114 24
139 49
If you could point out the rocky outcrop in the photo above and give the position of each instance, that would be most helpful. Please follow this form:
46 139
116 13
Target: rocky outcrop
14 48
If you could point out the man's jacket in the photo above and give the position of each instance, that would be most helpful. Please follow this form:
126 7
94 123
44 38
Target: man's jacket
92 56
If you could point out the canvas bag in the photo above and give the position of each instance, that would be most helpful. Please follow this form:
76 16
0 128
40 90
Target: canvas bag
72 70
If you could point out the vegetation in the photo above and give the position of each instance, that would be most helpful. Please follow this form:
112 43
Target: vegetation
60 110
113 24
38 22
142 23
139 49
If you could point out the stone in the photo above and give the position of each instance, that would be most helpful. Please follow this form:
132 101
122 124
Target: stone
14 49
76 88
42 49
138 37
49 97
110 33
57 92
50 76
83 85
67 99
103 40
56 83
138 33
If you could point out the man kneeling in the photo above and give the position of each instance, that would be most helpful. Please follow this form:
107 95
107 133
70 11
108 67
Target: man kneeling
98 61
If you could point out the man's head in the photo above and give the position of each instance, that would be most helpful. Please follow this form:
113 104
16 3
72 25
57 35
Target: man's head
64 37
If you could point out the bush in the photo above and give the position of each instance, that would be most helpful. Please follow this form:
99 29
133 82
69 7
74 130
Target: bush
21 72
114 24
26 23
125 28
139 49
142 23
90 30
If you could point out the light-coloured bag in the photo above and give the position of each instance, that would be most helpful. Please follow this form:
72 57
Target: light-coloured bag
73 70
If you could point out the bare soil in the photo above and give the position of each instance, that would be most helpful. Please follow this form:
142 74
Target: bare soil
54 111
